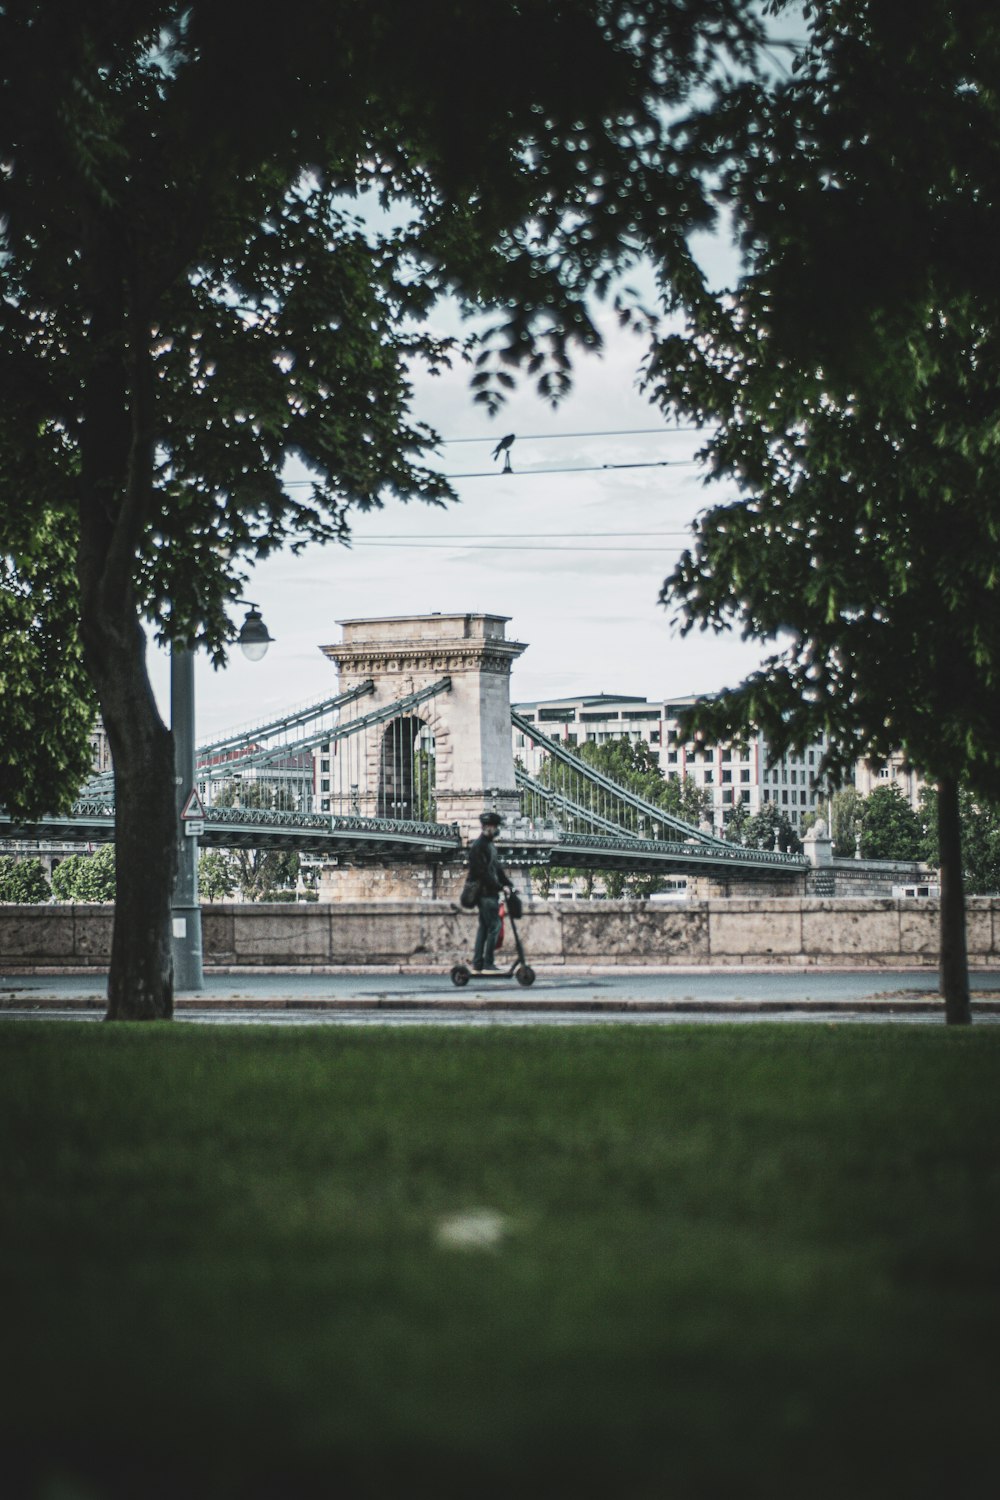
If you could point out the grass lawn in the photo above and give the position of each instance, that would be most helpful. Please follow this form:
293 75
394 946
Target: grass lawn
618 1262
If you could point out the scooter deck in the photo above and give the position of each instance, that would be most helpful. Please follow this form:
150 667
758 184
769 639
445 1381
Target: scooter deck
462 974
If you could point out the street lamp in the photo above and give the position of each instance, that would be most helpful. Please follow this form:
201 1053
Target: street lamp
185 906
253 637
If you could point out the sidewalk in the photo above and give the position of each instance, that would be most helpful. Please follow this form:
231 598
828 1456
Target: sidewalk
597 991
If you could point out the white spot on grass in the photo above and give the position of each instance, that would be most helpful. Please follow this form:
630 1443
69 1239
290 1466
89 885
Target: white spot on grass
472 1229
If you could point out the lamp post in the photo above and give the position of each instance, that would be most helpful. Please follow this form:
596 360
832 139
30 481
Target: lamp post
185 912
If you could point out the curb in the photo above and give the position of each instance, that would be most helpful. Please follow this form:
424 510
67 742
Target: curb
887 1005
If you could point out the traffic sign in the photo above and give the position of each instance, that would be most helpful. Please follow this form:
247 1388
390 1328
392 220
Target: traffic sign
193 810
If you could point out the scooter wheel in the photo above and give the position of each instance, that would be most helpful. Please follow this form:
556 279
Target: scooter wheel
526 975
460 975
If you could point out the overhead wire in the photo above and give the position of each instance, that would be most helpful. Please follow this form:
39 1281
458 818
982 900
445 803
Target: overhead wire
542 437
664 463
539 437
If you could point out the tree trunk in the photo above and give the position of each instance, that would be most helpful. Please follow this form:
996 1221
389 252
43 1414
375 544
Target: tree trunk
954 962
140 982
115 495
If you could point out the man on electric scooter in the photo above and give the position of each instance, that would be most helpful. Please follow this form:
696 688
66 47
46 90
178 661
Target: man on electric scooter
486 869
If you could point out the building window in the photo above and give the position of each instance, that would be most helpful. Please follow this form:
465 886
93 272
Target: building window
726 776
727 797
672 757
745 775
324 785
709 777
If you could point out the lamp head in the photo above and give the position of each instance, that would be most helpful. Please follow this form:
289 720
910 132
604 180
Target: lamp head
253 637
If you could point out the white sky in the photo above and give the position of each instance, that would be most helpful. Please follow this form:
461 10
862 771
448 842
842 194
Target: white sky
583 596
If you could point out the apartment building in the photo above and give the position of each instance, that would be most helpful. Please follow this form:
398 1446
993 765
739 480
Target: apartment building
734 774
893 772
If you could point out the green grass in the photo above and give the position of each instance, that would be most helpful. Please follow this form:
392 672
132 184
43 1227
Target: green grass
747 1261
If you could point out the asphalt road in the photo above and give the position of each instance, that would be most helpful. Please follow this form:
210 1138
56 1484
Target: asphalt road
558 996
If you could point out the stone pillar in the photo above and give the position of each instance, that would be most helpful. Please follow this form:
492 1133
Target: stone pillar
818 848
470 723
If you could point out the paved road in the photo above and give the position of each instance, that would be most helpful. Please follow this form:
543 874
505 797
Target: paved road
559 996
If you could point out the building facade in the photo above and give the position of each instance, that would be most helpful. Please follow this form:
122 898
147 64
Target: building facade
897 772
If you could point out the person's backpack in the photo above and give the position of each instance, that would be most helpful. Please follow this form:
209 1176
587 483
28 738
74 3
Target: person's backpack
469 897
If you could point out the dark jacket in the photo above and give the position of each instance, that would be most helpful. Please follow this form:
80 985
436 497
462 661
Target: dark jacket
485 867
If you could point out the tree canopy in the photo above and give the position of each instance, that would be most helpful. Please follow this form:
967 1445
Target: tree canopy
851 379
86 877
48 702
890 829
980 839
22 880
262 219
769 828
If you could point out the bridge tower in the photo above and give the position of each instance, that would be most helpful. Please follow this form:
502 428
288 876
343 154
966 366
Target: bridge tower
469 723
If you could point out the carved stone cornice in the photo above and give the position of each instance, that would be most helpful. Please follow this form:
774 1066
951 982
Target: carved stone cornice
387 658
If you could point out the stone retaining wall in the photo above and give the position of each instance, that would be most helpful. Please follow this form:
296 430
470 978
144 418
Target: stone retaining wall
790 930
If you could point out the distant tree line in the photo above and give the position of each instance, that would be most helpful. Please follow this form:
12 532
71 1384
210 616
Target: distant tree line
243 874
883 825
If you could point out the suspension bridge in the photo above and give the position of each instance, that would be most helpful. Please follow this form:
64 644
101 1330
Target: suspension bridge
395 768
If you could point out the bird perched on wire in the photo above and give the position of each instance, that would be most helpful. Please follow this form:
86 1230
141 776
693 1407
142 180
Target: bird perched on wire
504 447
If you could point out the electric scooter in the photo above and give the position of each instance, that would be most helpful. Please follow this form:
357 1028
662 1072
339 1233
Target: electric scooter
520 970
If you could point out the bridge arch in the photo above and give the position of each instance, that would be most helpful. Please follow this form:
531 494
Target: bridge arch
407 771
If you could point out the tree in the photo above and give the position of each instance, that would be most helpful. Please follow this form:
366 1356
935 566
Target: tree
890 829
86 877
258 872
980 839
758 831
217 878
684 798
187 298
843 813
48 704
22 881
852 378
